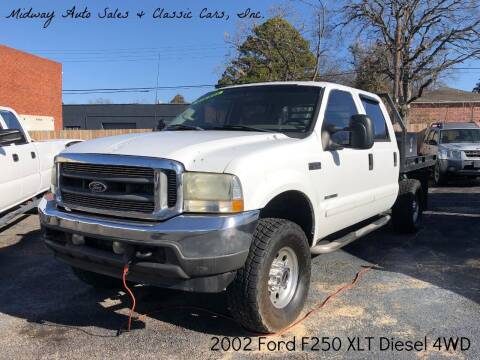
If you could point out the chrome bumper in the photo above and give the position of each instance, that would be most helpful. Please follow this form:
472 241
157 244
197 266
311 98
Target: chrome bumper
199 245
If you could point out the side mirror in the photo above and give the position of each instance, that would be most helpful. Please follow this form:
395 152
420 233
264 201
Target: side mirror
11 136
361 129
432 142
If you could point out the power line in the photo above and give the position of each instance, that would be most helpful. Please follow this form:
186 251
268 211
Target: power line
132 89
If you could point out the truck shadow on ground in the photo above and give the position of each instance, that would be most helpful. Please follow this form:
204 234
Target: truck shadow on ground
42 290
445 253
38 288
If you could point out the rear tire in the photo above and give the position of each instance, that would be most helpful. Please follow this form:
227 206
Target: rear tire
438 177
408 209
269 292
97 281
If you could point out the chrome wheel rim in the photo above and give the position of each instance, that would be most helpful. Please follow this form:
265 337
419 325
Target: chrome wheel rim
283 277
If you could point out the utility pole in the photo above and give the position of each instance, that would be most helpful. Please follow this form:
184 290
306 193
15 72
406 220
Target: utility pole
158 75
156 91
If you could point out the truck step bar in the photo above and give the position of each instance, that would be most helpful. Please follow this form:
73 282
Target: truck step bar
23 208
325 247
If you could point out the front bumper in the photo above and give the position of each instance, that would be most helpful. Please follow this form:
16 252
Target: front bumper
460 167
188 252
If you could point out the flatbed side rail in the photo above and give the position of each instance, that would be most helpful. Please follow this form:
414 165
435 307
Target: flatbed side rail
417 162
407 164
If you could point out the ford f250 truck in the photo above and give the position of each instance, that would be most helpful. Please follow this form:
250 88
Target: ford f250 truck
236 194
25 166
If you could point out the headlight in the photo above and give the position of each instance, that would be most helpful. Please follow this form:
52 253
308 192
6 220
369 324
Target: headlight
53 181
442 154
211 193
454 154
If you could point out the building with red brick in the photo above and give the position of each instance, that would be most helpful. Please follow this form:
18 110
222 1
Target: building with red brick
444 105
32 86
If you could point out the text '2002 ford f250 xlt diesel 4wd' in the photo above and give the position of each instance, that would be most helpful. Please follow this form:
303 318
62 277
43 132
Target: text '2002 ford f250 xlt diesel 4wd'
236 194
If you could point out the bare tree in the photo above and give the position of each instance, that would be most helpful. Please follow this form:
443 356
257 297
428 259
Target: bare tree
423 38
320 31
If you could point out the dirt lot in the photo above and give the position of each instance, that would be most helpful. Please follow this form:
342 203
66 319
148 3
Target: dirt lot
423 285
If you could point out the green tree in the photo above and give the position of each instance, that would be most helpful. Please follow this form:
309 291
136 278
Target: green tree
178 99
274 51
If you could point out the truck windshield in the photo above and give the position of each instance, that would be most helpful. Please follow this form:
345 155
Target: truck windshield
459 136
288 109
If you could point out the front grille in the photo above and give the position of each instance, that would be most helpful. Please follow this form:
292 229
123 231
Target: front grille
472 153
172 187
94 202
108 170
114 189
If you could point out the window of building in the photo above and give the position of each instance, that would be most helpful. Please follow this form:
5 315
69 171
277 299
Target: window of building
118 125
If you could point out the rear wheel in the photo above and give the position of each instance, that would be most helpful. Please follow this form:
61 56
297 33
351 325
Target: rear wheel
97 281
269 292
439 177
408 209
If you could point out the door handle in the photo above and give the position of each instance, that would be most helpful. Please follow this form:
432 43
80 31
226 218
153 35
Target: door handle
15 157
370 161
33 154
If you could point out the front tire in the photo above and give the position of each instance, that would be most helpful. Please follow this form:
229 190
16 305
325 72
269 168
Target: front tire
269 292
439 177
407 212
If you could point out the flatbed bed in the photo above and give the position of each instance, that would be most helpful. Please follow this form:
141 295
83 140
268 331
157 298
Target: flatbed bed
408 164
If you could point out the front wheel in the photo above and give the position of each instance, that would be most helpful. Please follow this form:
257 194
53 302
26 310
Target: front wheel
439 177
269 292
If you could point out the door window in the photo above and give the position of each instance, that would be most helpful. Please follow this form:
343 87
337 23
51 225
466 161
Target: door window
12 122
340 108
374 112
436 137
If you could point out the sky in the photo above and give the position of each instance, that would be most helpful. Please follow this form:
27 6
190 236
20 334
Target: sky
130 53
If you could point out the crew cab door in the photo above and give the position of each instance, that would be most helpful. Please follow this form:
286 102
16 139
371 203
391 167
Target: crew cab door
384 155
21 178
10 181
351 179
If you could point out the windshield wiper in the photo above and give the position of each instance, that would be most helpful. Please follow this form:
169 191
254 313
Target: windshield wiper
182 127
240 127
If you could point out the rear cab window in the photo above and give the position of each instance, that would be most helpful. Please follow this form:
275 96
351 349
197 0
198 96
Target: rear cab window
375 113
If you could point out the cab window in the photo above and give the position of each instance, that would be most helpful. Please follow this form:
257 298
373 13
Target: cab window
12 123
339 110
374 112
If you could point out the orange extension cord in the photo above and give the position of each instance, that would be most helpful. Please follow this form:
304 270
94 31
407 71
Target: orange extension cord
134 302
317 307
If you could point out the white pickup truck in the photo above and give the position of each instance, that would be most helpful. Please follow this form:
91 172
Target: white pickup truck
25 166
236 194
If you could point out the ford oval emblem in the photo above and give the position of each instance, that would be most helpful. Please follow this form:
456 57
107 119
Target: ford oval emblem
97 187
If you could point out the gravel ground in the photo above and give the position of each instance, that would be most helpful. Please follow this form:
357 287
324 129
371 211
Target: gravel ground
422 285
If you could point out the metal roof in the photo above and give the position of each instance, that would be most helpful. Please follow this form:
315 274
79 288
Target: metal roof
448 95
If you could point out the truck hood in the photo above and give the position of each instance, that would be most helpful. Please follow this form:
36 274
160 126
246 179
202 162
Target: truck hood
208 150
462 146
